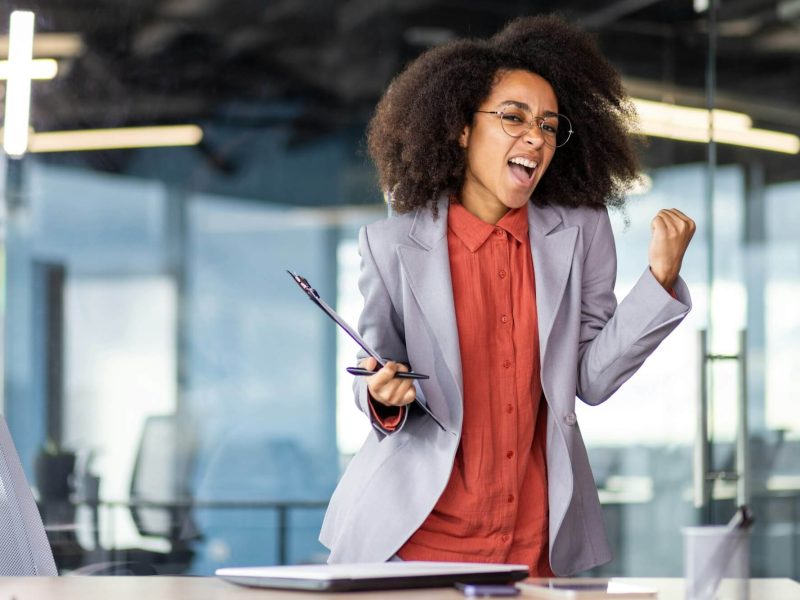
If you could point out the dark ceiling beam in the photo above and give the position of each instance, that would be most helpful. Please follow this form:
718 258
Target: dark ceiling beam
355 14
612 13
53 114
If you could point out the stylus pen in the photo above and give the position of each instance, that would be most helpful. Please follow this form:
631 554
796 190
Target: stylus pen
399 374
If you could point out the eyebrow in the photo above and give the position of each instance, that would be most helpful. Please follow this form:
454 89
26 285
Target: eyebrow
524 106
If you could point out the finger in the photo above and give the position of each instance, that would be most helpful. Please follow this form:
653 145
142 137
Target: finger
388 393
410 395
403 394
395 387
385 374
658 224
684 225
679 214
368 363
689 223
377 383
676 222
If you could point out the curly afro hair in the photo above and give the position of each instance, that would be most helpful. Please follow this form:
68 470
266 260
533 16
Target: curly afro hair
413 136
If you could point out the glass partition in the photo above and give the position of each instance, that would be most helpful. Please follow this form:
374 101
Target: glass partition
176 401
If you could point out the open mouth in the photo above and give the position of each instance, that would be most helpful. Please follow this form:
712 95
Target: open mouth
522 168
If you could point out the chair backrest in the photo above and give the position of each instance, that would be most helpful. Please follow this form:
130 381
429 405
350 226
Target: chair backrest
161 474
24 549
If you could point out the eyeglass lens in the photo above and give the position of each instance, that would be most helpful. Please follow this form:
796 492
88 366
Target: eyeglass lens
517 122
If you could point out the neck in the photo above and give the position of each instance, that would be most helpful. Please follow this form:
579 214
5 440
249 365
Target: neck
486 209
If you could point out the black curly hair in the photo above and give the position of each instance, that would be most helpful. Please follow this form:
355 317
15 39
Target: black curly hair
413 136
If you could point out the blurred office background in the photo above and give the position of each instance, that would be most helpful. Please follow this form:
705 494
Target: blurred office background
175 399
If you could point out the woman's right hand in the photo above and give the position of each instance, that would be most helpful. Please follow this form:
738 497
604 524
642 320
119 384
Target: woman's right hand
384 387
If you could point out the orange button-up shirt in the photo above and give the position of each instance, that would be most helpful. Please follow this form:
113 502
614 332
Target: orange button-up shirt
494 508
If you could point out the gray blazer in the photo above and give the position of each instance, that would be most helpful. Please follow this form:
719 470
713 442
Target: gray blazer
589 347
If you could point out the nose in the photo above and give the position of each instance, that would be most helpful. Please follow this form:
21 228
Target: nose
534 137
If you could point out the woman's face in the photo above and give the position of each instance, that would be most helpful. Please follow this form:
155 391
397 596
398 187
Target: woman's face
493 184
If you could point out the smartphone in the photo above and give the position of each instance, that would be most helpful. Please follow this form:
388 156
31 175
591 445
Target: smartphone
476 590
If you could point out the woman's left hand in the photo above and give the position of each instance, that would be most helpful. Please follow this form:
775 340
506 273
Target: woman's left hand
672 231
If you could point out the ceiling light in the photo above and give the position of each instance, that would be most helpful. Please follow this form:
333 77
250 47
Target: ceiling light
764 139
50 44
111 139
41 68
18 86
687 116
689 124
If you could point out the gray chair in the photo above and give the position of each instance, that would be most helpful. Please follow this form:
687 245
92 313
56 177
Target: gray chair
160 476
24 549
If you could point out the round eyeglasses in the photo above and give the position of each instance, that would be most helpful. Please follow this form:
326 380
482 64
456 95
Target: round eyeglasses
517 121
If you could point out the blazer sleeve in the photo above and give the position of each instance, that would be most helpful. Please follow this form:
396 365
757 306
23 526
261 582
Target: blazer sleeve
380 325
615 340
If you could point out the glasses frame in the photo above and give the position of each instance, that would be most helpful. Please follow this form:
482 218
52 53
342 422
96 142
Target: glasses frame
538 121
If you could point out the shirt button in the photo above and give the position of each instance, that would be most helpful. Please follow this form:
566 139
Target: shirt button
501 274
510 498
504 319
570 419
506 364
499 232
504 538
510 454
509 408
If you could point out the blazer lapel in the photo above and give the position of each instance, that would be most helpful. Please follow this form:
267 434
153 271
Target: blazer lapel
552 250
427 267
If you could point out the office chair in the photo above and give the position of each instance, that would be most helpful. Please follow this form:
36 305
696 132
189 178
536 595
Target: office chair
24 549
160 475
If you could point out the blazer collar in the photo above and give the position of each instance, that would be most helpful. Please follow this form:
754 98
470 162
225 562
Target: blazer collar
543 218
427 231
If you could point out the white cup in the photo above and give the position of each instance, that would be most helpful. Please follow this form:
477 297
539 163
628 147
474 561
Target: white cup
716 563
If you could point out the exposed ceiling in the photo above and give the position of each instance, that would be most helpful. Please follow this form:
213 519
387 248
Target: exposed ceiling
234 61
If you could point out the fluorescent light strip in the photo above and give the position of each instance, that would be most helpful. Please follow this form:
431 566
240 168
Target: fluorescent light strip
688 124
764 139
112 139
41 68
761 139
690 117
50 44
18 86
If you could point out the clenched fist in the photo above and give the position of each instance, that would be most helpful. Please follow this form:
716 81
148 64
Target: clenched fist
387 389
672 231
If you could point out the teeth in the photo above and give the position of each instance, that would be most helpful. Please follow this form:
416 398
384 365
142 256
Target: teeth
518 160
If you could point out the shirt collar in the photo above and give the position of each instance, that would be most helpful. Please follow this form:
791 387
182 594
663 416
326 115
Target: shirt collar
473 232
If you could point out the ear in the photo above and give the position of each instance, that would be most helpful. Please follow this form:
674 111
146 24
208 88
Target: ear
463 139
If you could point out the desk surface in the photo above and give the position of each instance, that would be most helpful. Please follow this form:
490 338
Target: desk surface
209 588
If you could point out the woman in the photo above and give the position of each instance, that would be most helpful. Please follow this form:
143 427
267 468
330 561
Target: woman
496 278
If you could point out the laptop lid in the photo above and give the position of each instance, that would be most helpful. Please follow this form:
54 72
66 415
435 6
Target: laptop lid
372 576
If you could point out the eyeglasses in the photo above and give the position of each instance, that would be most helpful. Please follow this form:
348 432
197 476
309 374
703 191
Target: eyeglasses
517 121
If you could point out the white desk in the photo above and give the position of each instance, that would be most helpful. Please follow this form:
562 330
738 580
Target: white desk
208 588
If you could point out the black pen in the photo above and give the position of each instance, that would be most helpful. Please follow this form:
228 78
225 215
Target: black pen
399 374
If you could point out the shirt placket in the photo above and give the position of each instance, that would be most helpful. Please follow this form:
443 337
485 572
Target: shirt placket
508 368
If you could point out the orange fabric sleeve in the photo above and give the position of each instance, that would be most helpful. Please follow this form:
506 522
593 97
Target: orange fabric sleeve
388 417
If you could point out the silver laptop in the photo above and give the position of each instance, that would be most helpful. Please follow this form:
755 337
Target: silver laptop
372 576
